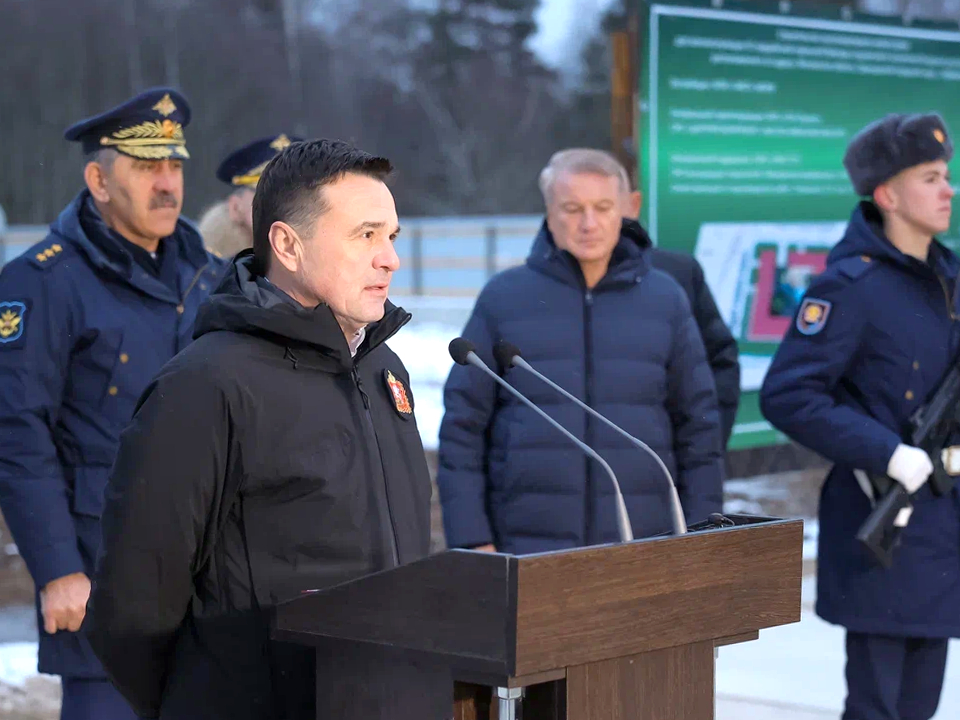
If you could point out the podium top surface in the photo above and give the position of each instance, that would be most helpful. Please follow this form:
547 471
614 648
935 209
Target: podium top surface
506 616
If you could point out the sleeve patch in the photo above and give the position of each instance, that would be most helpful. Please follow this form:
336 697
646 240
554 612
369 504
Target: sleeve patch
13 320
812 316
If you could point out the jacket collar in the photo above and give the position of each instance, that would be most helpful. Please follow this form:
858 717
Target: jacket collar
865 237
106 250
247 303
628 264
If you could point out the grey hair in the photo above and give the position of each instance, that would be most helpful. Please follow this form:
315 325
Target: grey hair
104 157
582 160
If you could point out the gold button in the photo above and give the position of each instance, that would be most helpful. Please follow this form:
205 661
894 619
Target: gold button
909 395
916 365
180 309
124 358
113 390
865 258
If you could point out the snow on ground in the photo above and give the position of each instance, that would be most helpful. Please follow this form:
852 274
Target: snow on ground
423 350
811 532
754 495
811 527
757 489
18 661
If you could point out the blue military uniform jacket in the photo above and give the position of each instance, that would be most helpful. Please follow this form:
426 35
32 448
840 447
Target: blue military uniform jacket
874 335
83 329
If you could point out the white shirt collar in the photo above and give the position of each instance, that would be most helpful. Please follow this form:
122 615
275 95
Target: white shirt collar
356 341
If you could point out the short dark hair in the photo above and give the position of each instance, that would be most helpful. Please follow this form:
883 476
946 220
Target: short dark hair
288 187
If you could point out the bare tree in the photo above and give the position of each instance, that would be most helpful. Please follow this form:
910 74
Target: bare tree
448 90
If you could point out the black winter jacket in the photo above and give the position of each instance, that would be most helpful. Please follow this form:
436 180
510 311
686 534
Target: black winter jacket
722 352
262 462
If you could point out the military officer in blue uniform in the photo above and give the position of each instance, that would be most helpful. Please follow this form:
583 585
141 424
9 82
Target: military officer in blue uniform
87 318
872 338
227 227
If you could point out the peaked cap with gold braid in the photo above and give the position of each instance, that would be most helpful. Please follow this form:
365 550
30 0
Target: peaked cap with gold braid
242 167
148 127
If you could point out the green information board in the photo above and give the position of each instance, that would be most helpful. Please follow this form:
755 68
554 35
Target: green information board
744 122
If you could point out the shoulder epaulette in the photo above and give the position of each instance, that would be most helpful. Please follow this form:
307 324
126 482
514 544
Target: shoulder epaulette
854 267
46 254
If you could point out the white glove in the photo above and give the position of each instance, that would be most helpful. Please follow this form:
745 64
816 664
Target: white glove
910 466
950 457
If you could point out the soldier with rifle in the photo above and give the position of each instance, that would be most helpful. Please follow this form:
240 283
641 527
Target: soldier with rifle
866 376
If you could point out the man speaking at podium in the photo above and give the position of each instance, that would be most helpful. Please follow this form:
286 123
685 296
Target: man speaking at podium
279 454
589 311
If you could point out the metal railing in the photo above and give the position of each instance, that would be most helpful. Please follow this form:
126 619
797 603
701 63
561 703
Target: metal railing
17 239
446 256
456 256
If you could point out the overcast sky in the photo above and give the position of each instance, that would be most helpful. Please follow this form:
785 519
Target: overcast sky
563 27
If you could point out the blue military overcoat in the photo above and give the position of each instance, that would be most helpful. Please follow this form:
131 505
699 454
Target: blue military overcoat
83 329
872 338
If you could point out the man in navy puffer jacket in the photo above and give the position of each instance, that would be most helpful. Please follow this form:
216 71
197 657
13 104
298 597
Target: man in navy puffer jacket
589 311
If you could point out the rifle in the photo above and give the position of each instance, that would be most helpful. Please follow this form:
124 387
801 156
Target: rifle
929 428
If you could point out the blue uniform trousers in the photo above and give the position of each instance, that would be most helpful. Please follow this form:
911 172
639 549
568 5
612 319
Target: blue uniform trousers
893 678
93 700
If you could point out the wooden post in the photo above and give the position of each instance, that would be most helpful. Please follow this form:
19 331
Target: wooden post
624 95
621 96
633 34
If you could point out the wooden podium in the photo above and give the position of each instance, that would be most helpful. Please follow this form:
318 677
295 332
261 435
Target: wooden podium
612 632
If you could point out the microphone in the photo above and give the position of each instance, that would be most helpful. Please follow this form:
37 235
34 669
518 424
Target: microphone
462 352
508 355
